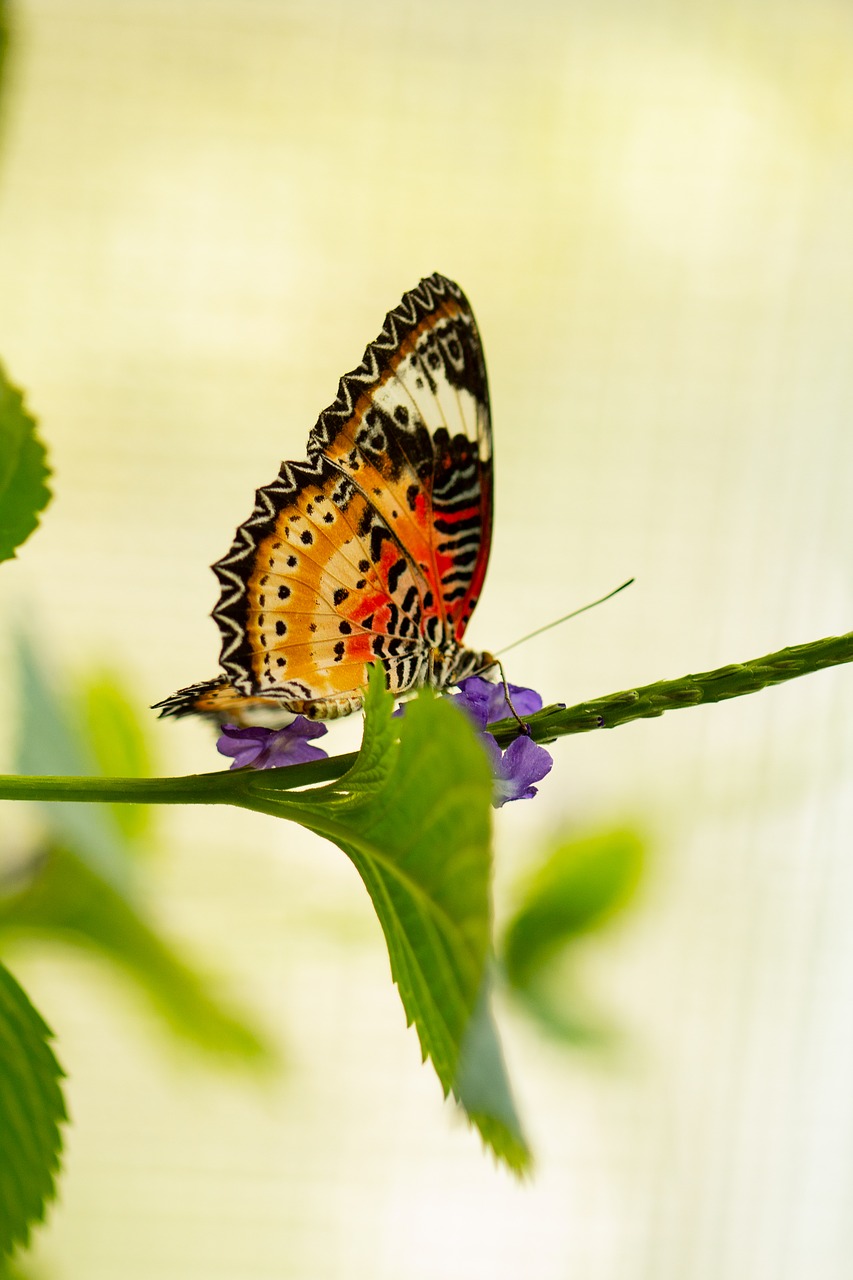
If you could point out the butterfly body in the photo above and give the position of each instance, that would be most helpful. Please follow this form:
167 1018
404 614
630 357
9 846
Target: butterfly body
374 548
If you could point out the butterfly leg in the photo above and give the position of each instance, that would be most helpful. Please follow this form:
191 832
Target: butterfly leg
525 728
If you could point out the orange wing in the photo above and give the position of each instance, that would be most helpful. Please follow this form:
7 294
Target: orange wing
376 547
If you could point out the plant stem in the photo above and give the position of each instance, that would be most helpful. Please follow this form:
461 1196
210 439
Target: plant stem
235 787
221 787
689 691
199 788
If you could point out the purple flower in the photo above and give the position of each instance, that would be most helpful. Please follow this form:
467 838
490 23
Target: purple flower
485 702
523 763
270 748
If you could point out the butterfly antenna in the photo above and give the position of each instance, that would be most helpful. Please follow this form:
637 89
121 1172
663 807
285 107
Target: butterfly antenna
565 618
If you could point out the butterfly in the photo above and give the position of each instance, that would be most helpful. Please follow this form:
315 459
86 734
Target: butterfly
374 549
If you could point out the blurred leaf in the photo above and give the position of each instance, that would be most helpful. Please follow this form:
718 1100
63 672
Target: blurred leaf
582 884
82 889
118 743
51 741
23 465
552 1000
413 814
66 900
31 1111
13 1269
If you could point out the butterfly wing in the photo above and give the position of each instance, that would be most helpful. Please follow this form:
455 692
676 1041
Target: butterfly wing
412 428
375 547
219 700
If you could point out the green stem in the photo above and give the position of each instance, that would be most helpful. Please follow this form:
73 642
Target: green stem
689 691
197 788
221 787
227 787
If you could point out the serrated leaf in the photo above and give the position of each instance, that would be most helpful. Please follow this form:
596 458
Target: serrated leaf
23 471
482 1086
414 816
31 1111
582 884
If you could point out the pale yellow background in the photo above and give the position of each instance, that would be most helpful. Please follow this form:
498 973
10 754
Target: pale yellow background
205 211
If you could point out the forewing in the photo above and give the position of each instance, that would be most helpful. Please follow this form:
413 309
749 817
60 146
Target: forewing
411 426
376 546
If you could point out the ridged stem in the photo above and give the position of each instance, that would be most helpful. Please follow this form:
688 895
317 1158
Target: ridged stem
689 691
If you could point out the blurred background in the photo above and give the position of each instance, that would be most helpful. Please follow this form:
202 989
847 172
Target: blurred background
206 209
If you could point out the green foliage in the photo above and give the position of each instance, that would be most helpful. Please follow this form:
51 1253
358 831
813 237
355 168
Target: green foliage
579 887
413 814
66 901
51 739
482 1086
80 886
117 742
23 466
13 1269
31 1111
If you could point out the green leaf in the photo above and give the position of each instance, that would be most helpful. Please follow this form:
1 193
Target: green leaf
413 814
31 1111
482 1086
118 743
66 900
581 885
13 1269
82 886
23 471
51 740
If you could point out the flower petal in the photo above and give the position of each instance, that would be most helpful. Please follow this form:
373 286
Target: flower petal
525 702
263 748
473 699
304 728
494 753
485 701
245 745
523 763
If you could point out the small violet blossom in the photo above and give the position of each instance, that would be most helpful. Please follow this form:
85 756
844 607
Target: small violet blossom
485 702
524 761
271 748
